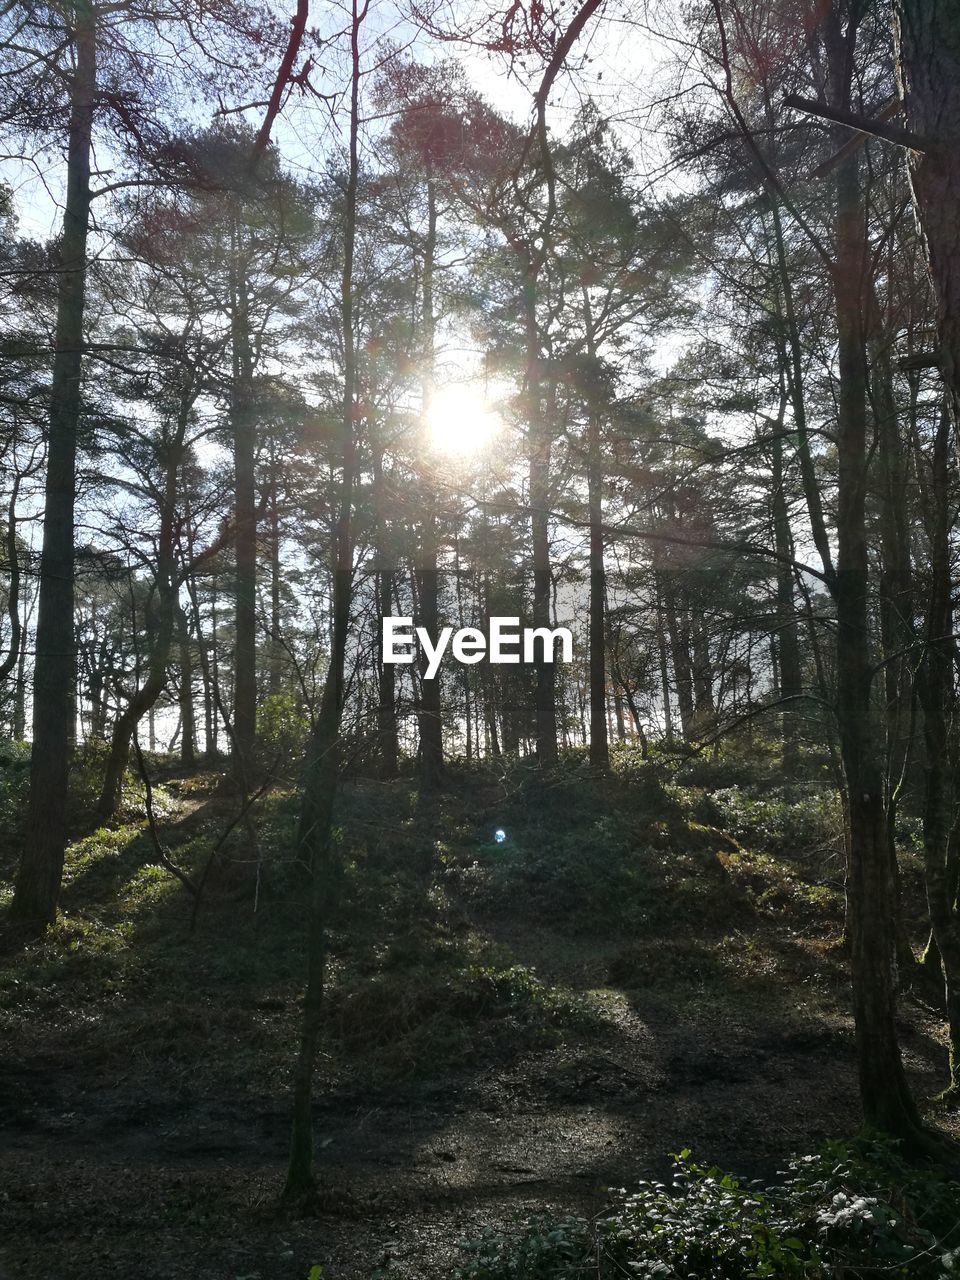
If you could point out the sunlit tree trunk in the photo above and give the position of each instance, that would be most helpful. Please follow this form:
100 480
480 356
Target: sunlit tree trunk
539 449
276 573
188 726
388 743
664 667
243 422
679 635
160 631
41 866
10 659
20 688
430 760
788 642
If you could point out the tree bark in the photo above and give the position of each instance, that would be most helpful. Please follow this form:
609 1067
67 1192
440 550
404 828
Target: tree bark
188 722
788 642
388 741
705 712
927 39
276 574
935 687
885 1094
539 448
41 867
599 743
678 632
322 764
160 629
430 761
245 516
13 590
20 687
795 384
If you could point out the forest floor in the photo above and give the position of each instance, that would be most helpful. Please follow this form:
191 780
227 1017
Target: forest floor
509 1028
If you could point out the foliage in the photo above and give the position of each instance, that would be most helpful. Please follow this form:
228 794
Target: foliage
282 726
411 1018
623 859
14 777
86 779
842 1213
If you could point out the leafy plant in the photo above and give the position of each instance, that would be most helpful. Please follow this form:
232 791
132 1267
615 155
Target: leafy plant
843 1213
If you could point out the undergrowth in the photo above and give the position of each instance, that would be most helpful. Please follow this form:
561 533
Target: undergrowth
851 1212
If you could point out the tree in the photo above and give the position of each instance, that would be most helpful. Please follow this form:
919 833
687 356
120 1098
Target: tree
927 46
322 765
38 880
54 66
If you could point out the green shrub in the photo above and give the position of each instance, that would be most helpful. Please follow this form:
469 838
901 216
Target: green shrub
788 820
850 1212
14 780
282 727
414 1018
590 879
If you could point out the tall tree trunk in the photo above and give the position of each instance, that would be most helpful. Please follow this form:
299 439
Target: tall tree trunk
927 37
896 588
885 1094
98 703
795 384
388 741
20 688
214 668
599 745
9 661
243 422
41 866
188 723
322 765
430 762
427 573
664 668
789 674
936 690
679 635
276 574
488 674
160 629
539 448
203 654
705 711
788 641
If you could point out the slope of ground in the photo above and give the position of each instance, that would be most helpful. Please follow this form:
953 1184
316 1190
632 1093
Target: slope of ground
510 1027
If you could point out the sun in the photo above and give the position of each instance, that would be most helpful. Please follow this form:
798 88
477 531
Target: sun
460 421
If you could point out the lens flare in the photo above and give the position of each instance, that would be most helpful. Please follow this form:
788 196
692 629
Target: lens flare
460 422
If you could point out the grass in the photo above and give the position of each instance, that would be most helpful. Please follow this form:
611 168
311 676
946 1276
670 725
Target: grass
655 941
416 985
